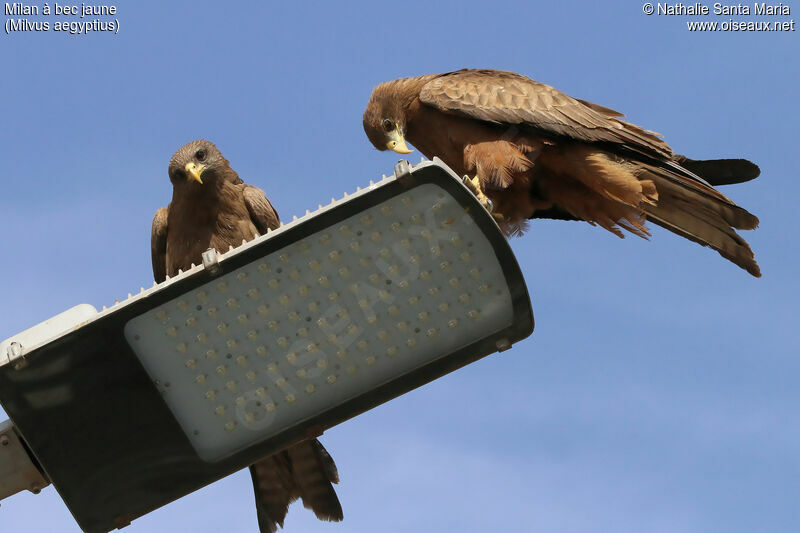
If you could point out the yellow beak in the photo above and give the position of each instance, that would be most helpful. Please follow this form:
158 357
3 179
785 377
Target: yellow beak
193 172
398 143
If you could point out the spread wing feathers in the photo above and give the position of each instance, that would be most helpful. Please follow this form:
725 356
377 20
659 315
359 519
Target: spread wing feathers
261 211
509 98
698 191
617 194
721 171
158 244
306 471
702 218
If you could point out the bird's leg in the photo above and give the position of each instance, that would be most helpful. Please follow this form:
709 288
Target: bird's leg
474 185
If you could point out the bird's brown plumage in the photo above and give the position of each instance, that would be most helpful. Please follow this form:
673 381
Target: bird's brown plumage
539 153
218 213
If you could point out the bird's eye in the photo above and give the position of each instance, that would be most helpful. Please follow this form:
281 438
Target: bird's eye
388 125
200 155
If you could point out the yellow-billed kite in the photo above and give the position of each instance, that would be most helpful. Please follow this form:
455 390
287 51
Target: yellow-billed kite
213 208
536 152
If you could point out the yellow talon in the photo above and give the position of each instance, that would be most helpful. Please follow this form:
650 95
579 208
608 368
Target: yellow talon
474 185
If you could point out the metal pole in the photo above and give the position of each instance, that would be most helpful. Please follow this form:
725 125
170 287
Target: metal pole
17 470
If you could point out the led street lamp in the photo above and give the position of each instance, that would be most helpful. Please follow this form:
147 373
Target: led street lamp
261 346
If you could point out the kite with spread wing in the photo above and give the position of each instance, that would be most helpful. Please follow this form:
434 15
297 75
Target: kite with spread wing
536 152
213 208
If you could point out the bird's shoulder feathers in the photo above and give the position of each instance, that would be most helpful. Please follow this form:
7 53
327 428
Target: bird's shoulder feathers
158 244
261 211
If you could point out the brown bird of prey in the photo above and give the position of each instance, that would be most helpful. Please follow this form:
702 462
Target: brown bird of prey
213 208
536 152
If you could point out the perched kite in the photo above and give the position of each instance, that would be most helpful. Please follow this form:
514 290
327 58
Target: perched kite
213 208
537 153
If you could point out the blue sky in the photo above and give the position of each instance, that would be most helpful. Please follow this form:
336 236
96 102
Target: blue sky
659 390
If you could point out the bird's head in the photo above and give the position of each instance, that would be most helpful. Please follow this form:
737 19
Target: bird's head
198 162
385 120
